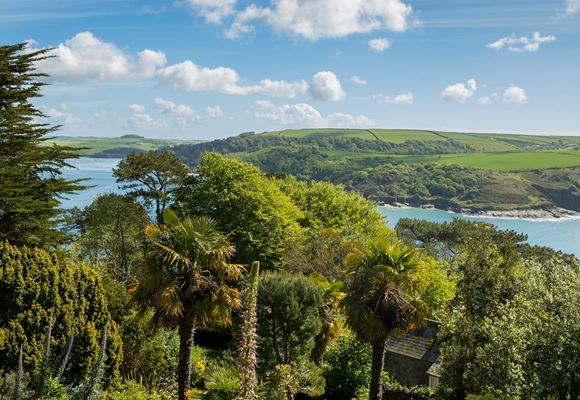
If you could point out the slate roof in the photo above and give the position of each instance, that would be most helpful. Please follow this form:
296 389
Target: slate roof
420 343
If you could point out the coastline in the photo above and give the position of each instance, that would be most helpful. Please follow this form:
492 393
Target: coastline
554 214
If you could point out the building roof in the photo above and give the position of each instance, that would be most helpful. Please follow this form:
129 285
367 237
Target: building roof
419 343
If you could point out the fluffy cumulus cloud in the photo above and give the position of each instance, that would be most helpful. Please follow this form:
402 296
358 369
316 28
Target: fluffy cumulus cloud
522 44
305 115
213 10
141 120
192 78
326 86
379 44
315 19
403 98
515 94
59 114
214 112
182 114
86 57
572 6
358 81
459 92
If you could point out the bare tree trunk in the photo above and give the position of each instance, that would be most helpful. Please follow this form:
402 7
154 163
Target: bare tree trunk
376 389
186 333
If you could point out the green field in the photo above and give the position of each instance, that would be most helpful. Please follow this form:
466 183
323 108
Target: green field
485 142
101 146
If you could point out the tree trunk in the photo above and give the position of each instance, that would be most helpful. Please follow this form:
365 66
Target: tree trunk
186 333
376 389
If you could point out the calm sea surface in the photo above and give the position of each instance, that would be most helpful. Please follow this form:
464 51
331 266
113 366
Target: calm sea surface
561 234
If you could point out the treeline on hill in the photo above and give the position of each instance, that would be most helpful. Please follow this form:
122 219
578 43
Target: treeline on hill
387 180
251 142
245 286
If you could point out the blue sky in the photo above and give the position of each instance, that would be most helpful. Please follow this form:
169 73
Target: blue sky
205 69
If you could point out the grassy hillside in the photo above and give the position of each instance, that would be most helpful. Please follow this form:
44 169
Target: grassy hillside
110 147
451 170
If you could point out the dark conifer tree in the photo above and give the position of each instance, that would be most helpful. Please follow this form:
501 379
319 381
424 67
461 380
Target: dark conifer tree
31 184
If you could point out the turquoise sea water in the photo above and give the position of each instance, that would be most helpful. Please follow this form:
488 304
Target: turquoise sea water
563 234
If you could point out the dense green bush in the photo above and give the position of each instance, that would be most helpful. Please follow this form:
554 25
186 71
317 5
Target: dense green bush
36 286
347 368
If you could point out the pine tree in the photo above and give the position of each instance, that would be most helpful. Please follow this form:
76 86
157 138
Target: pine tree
31 184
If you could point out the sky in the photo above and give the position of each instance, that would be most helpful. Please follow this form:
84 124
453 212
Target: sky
206 69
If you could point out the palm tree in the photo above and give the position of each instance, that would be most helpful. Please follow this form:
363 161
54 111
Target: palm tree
186 281
381 298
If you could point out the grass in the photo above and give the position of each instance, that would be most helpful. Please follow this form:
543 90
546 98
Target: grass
484 142
95 145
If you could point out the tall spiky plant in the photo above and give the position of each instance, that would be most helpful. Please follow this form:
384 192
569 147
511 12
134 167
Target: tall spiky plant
248 345
90 389
19 377
45 360
65 355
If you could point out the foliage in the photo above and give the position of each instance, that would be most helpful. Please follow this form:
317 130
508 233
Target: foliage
243 201
416 172
347 367
149 357
285 381
30 174
186 281
322 253
131 390
328 206
383 296
112 236
288 307
152 176
222 382
35 287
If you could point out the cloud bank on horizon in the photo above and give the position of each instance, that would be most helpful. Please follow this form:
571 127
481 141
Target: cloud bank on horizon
293 63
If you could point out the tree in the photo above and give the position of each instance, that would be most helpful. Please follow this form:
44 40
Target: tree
112 236
152 176
36 286
247 204
30 172
186 281
288 321
382 298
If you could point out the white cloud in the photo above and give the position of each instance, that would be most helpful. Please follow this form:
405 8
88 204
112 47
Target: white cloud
305 115
137 108
145 122
287 114
326 86
213 10
86 57
379 44
60 114
182 114
215 112
315 19
340 120
404 98
515 94
359 81
192 78
522 44
459 93
572 6
484 100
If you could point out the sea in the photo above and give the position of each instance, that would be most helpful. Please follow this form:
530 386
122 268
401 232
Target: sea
560 234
